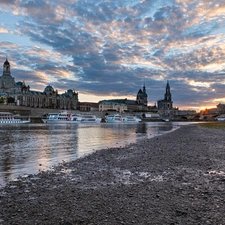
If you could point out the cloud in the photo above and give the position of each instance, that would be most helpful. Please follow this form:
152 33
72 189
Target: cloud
107 47
7 2
3 31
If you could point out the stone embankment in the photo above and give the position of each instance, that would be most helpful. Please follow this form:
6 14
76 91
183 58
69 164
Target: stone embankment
28 111
176 178
36 113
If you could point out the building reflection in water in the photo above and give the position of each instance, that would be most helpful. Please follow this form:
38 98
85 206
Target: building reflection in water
165 127
106 135
142 128
31 148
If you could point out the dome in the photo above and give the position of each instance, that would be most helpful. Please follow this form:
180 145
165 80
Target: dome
70 91
49 88
19 83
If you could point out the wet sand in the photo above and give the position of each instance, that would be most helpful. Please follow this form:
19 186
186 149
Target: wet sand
176 178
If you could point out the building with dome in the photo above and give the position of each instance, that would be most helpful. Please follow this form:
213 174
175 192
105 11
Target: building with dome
23 96
126 105
142 97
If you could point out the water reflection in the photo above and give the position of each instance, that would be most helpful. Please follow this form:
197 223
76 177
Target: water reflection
142 128
30 148
165 127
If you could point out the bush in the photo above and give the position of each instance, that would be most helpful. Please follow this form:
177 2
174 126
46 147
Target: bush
2 100
11 100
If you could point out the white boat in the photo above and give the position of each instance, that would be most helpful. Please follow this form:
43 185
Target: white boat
62 117
220 118
131 119
117 118
90 118
9 118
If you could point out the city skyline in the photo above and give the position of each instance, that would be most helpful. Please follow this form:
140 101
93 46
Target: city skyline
109 49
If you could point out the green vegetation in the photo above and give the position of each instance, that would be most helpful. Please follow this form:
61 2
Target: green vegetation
2 100
11 100
214 125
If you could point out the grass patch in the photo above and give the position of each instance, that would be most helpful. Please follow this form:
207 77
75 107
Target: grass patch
214 125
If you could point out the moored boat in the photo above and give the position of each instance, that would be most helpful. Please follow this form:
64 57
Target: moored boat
89 118
9 118
117 118
62 117
131 119
220 119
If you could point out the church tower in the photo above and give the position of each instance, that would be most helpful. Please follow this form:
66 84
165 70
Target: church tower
165 106
167 96
6 80
6 67
142 97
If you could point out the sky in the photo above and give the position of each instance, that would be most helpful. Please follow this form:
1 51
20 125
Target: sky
108 49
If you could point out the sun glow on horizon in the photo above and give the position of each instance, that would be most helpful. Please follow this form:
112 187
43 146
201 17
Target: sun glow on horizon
207 107
96 99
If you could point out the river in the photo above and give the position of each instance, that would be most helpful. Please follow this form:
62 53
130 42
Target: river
31 148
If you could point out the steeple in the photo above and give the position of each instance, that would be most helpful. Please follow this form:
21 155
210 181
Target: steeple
6 80
167 94
144 89
6 67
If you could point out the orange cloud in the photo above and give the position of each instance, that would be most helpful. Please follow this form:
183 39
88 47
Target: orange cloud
3 31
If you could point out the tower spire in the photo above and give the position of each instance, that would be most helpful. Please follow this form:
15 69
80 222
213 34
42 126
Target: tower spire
167 94
6 67
144 89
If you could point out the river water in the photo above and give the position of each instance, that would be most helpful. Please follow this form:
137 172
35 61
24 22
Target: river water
31 148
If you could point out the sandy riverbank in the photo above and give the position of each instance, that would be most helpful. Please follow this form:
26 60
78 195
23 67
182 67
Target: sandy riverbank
177 178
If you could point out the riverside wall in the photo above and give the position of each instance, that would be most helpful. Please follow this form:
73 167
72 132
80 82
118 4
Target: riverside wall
35 114
38 112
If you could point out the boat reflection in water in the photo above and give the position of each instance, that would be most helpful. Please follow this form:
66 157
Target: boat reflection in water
30 148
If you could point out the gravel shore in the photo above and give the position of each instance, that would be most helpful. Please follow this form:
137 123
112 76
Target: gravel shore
176 178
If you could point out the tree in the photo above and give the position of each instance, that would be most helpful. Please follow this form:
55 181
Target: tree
2 100
11 100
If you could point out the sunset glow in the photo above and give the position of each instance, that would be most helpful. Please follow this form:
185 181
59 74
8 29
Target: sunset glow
110 49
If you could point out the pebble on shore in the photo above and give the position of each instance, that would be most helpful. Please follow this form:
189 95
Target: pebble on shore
176 178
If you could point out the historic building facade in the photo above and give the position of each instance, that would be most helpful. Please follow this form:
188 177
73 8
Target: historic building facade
122 105
23 96
165 106
142 97
221 108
